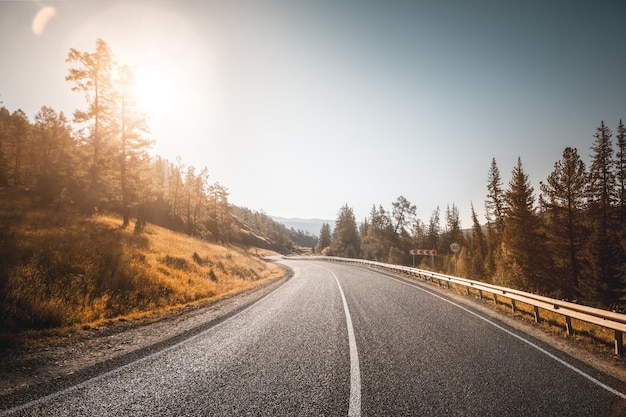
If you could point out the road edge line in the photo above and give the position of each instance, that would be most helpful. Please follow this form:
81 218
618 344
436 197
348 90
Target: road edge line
528 342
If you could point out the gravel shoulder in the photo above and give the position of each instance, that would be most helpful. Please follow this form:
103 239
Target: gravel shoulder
29 373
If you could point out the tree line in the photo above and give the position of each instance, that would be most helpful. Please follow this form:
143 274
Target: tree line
99 161
568 242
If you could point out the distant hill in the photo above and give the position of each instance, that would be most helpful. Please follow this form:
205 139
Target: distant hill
312 226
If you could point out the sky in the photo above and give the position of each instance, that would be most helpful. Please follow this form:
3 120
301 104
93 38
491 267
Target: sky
300 107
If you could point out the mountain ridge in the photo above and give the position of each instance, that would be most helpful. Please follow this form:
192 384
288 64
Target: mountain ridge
312 226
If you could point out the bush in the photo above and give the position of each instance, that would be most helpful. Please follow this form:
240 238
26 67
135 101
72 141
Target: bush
176 262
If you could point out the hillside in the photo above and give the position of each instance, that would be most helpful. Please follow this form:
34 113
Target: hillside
61 269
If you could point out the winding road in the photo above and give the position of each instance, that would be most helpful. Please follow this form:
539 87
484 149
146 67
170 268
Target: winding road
340 340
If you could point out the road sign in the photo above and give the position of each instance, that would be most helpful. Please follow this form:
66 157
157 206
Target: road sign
423 252
455 247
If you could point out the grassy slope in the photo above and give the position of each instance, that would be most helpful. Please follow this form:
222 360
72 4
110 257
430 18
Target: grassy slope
64 270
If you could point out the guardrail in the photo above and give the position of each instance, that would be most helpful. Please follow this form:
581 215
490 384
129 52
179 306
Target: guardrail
569 310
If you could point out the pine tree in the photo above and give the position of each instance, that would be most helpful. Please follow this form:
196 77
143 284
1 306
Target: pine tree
602 282
379 237
564 199
495 204
175 186
621 181
19 138
133 147
92 76
325 238
433 233
220 220
494 213
402 213
523 248
602 180
621 173
453 232
477 251
346 241
53 154
5 117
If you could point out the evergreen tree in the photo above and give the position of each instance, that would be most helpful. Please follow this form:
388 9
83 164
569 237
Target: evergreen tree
432 237
602 180
602 281
403 212
495 203
621 173
220 220
133 147
451 234
19 137
175 186
325 238
434 231
92 76
564 199
523 249
346 241
379 237
5 118
477 251
53 154
419 235
494 213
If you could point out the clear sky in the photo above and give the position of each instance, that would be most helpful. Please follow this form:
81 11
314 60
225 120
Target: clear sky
299 107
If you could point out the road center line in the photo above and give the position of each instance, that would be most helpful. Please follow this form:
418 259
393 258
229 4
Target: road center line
354 409
528 342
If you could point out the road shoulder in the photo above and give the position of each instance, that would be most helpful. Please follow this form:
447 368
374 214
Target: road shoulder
31 373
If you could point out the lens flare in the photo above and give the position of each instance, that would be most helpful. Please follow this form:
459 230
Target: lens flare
42 18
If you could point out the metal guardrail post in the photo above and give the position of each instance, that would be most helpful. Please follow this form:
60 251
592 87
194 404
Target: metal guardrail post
536 313
619 343
568 326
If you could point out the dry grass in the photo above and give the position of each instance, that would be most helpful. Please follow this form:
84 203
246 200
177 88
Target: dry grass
62 270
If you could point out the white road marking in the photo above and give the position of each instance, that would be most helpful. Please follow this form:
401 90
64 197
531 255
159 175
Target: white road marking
354 409
528 342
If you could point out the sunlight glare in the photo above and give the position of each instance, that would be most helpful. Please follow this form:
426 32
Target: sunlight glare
156 92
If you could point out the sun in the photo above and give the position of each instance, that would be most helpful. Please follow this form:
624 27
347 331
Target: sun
155 92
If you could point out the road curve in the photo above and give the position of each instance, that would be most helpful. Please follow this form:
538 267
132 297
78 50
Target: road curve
338 340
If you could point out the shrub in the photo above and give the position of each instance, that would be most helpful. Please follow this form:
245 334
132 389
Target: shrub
176 262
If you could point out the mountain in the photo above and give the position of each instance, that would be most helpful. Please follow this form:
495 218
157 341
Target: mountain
313 226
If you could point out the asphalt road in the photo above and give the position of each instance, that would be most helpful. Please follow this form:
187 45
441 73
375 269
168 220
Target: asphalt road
338 340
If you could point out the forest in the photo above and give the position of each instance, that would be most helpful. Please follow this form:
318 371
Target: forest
99 162
568 242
